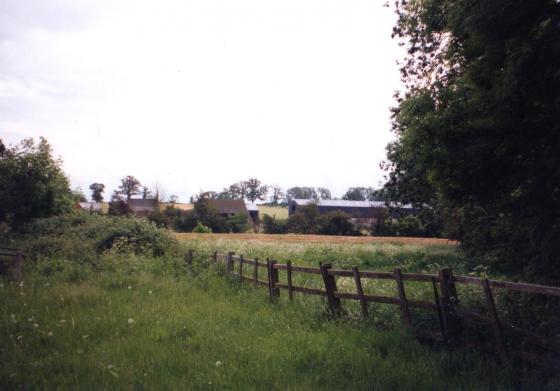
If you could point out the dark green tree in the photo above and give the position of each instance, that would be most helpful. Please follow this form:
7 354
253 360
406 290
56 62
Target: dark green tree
478 128
97 190
255 190
32 183
129 187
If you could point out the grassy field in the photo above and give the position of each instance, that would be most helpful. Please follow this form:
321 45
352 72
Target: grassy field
280 212
140 322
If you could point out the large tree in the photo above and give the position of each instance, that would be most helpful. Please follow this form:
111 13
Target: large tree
129 187
97 190
478 128
32 183
255 190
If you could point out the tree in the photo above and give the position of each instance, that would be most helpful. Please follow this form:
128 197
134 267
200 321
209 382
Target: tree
478 130
277 195
255 191
97 190
32 183
302 193
233 192
78 195
173 199
356 194
146 193
324 193
130 186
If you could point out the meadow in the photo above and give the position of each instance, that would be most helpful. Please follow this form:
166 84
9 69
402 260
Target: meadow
126 320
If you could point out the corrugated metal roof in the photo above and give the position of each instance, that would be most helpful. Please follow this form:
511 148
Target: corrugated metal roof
228 206
349 204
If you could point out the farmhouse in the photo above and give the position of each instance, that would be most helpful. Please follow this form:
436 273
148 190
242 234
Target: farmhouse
356 209
142 207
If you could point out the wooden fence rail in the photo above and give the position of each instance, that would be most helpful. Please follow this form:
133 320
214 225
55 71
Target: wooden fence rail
450 314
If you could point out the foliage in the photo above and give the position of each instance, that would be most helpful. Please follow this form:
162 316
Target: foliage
255 191
363 194
146 193
277 195
337 223
129 187
32 183
273 225
78 195
202 229
97 190
238 223
118 207
311 193
478 130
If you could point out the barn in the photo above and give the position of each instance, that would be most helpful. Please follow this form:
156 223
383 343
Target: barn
356 209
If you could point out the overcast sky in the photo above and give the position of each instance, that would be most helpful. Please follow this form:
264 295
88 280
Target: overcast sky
200 94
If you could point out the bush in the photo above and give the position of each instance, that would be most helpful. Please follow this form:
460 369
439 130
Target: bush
337 223
202 229
238 223
83 237
273 225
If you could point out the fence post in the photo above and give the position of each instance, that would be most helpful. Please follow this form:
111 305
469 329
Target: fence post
215 256
448 302
290 286
272 279
402 297
229 267
439 310
496 326
360 291
256 271
330 287
241 268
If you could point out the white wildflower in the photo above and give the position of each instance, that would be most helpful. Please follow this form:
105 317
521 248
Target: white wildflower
218 363
130 321
50 334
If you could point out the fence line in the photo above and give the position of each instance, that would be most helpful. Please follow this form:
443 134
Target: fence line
451 316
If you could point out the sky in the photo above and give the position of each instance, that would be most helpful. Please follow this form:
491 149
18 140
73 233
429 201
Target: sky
196 95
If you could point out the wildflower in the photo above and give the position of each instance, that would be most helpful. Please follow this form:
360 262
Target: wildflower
129 287
21 284
150 292
218 363
19 337
36 325
1 285
130 321
62 320
50 334
47 284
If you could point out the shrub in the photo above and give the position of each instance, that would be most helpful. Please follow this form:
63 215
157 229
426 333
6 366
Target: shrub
337 223
273 225
238 223
202 229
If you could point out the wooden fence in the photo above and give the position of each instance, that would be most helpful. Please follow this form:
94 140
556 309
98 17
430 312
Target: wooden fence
451 316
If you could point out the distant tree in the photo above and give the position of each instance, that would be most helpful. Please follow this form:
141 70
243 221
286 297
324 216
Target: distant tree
255 191
97 190
243 187
302 193
118 205
130 186
277 195
324 193
79 195
233 192
32 183
146 193
173 199
356 194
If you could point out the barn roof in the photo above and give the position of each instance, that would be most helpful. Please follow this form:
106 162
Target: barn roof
348 204
228 206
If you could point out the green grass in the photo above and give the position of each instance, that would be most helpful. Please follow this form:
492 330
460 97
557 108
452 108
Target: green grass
110 320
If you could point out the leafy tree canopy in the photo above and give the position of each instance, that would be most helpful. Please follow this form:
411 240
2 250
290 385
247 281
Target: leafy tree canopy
97 190
478 128
32 183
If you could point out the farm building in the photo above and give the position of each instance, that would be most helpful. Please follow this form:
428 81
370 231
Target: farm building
356 209
228 208
142 207
253 210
